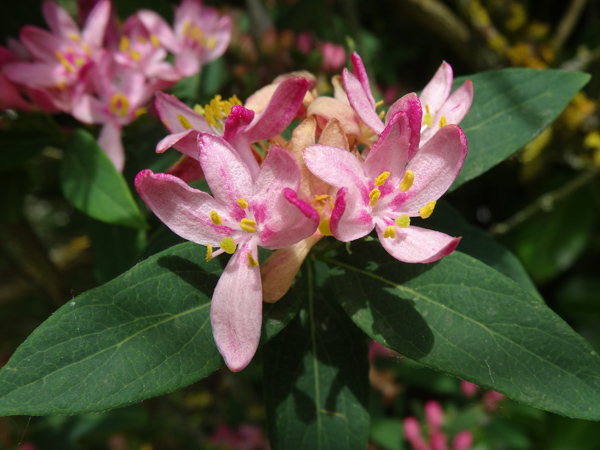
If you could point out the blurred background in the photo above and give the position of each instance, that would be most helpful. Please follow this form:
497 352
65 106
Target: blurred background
543 203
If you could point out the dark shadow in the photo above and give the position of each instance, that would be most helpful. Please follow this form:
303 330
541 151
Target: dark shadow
190 272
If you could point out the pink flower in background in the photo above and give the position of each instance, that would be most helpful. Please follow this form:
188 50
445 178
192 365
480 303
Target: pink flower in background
248 210
238 125
490 398
246 437
60 55
203 34
438 440
11 97
388 189
334 57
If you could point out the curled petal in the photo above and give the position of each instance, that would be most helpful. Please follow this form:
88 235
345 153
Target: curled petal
236 309
169 109
411 106
237 122
350 219
361 102
361 74
327 108
186 142
437 90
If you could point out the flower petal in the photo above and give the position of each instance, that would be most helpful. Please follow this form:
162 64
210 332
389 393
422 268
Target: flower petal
417 245
160 29
351 218
280 110
41 44
185 210
436 92
327 108
186 142
411 105
359 71
59 20
88 109
458 104
435 166
110 141
236 309
169 109
187 62
35 75
94 29
360 100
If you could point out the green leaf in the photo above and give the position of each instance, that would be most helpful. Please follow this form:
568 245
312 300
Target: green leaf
510 108
316 379
91 183
464 318
143 334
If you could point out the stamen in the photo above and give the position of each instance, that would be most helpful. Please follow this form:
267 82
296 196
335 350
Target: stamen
251 261
443 122
248 225
407 181
124 44
141 39
243 203
215 217
381 114
199 109
427 210
390 232
79 61
324 227
154 40
140 112
135 55
208 252
64 61
379 103
184 122
380 180
86 49
75 37
212 42
120 104
427 119
374 196
403 221
228 245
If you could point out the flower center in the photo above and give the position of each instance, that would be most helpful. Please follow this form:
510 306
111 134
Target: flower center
194 37
216 111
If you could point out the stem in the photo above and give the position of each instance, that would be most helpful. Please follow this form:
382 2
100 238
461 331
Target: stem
543 203
313 339
567 24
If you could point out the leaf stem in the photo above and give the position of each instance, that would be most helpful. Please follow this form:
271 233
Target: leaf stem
313 339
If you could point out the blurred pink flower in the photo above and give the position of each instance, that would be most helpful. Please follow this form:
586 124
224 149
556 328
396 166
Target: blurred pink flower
334 57
246 437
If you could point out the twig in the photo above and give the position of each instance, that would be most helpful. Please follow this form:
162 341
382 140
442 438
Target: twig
566 25
543 203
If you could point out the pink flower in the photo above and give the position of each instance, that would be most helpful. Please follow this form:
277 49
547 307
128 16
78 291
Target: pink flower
202 34
61 54
11 96
388 189
246 437
334 57
438 106
238 125
247 210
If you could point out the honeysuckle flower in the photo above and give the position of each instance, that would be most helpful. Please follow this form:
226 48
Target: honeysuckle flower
246 211
334 57
238 125
61 54
203 34
117 97
439 108
11 95
388 189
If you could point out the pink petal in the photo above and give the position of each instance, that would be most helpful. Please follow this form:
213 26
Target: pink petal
187 62
411 105
88 109
221 31
280 110
227 176
109 140
412 432
41 44
186 142
434 414
187 169
360 73
94 29
416 245
435 167
360 100
462 441
351 218
59 20
185 210
35 75
11 97
390 151
327 108
237 122
169 108
236 309
437 90
186 10
158 27
458 104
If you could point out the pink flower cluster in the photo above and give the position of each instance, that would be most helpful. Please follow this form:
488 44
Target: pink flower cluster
285 195
438 440
104 73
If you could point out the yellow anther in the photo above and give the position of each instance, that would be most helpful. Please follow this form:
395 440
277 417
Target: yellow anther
208 114
443 122
135 55
379 103
86 49
67 65
75 37
427 119
234 100
166 122
215 217
199 109
124 44
208 252
70 49
184 122
390 232
380 180
427 210
248 225
381 114
141 39
374 196
324 227
403 221
243 203
407 181
251 261
119 104
186 27
154 40
212 42
321 199
79 61
217 110
140 112
228 245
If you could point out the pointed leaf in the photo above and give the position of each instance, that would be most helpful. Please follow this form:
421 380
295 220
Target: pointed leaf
510 108
462 317
143 334
92 184
316 380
